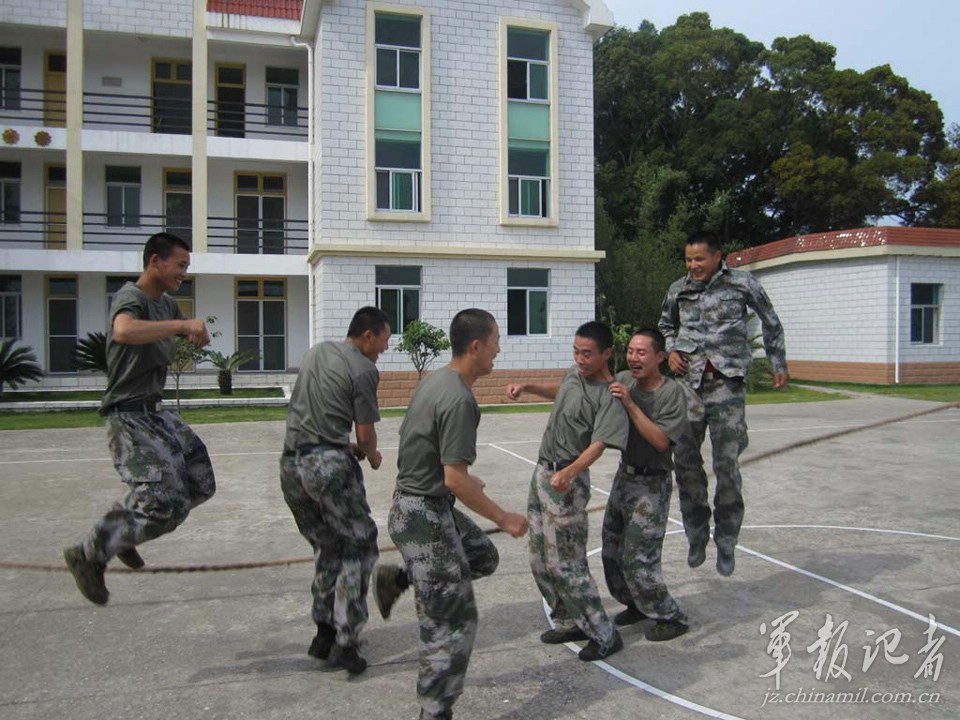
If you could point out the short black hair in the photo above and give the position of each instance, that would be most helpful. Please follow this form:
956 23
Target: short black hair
597 331
706 237
162 244
659 342
368 318
469 325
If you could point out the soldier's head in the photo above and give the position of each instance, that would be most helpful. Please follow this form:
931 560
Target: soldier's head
474 334
592 347
645 355
166 258
703 255
369 331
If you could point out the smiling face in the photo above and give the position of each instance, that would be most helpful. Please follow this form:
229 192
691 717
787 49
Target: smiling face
487 351
643 359
591 361
372 345
702 262
172 271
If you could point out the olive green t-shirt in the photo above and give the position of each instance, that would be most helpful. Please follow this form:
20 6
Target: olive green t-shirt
584 412
667 408
137 373
440 428
336 387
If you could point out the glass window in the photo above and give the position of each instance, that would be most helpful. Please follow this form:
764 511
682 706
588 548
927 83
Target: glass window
178 203
172 98
261 214
398 294
528 292
11 302
282 96
925 313
123 196
10 193
61 323
261 323
10 61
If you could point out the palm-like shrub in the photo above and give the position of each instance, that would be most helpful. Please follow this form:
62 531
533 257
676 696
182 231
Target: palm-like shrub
227 364
17 365
91 353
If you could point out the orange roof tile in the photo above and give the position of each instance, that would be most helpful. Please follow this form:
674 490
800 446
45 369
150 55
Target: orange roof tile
844 239
282 9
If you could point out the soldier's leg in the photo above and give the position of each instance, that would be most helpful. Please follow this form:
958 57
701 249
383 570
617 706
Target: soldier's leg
347 538
426 535
565 533
537 543
157 502
482 555
728 435
643 548
613 528
692 478
198 469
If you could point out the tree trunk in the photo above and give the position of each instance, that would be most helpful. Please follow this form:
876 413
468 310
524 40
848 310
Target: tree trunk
225 381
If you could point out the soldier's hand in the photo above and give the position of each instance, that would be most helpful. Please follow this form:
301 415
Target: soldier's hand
514 524
620 391
357 452
514 390
197 333
678 363
561 481
375 460
779 380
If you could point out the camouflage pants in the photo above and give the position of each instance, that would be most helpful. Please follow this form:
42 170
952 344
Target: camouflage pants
634 524
168 471
324 490
444 551
558 556
718 406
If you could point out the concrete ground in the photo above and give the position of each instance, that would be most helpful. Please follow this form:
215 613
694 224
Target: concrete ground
860 530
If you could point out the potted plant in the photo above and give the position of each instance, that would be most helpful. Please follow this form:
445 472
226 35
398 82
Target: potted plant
227 364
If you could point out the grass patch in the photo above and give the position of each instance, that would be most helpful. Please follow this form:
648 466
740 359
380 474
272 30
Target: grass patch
169 395
790 394
933 393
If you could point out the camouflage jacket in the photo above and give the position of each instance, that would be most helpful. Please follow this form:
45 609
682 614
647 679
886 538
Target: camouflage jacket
708 322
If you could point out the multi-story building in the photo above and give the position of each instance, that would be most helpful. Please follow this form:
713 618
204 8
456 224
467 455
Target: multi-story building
320 156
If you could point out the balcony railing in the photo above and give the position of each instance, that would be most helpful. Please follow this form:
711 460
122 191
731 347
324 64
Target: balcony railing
241 236
156 114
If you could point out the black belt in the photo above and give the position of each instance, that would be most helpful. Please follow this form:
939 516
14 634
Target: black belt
556 466
642 470
147 406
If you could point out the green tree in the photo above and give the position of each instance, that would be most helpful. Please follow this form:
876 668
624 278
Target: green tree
422 342
18 365
186 356
90 353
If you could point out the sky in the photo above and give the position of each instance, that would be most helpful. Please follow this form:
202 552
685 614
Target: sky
914 37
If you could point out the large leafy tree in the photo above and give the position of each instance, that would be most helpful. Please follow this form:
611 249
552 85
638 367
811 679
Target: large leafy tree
701 126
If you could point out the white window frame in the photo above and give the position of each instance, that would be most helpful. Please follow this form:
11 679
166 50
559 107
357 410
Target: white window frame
527 289
553 93
124 186
401 288
284 88
926 310
11 303
421 211
261 300
48 299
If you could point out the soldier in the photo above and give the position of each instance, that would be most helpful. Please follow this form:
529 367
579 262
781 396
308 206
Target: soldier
704 321
586 419
322 481
443 549
161 460
635 520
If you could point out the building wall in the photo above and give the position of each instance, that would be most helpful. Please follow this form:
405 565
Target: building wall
346 283
464 96
140 17
840 318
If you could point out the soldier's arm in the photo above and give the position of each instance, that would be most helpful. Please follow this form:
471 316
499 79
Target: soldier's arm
562 479
469 490
367 443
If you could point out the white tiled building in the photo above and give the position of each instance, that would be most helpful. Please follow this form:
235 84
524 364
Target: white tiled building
870 305
320 156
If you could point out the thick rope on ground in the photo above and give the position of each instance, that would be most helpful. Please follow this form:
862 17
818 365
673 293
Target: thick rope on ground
226 567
